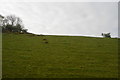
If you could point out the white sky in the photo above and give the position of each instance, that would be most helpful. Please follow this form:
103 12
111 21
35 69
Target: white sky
71 18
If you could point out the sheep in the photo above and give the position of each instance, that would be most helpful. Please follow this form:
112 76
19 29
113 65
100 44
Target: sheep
44 39
46 42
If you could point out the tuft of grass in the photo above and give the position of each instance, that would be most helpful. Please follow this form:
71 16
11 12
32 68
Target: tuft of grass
26 56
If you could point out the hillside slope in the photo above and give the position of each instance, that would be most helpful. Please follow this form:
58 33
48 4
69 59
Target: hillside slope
28 56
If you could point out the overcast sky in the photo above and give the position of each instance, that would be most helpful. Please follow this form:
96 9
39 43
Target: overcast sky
71 18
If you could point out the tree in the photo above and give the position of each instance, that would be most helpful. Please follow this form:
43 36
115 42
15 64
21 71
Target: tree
24 31
1 16
1 22
106 35
11 19
11 23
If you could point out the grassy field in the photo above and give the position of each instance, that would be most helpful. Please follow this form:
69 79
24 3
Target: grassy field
27 56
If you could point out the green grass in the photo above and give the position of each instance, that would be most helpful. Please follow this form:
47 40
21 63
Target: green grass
27 56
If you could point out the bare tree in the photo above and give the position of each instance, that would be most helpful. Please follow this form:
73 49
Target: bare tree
13 20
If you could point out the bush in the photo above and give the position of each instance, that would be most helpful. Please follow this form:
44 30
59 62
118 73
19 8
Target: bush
106 35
